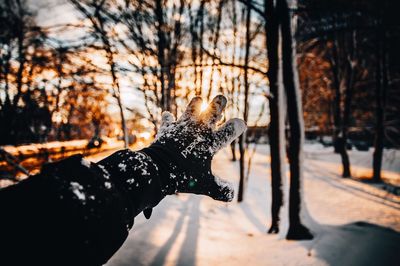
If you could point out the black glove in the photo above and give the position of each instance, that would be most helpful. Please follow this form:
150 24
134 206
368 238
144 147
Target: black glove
183 150
179 160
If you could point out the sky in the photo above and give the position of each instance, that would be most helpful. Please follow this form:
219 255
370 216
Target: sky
58 12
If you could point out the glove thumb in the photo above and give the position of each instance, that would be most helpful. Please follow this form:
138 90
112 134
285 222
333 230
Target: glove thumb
222 190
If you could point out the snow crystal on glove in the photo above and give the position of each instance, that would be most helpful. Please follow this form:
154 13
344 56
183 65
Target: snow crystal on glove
77 189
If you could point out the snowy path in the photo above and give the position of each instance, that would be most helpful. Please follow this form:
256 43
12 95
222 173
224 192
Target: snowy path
195 230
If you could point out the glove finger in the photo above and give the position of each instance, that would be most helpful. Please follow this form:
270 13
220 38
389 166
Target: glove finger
228 132
213 113
166 119
192 110
222 190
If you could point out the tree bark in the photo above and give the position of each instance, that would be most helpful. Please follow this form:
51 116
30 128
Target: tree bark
161 45
242 138
346 172
295 116
115 86
340 121
200 39
215 44
275 141
21 57
380 96
337 114
233 150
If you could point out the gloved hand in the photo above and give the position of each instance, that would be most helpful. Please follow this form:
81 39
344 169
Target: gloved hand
183 149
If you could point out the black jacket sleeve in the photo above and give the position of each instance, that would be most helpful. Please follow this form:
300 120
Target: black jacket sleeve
75 212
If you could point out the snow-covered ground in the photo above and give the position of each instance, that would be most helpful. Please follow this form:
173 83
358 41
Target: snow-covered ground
354 223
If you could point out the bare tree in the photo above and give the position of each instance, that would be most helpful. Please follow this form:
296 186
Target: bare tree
381 78
274 130
242 137
295 116
94 11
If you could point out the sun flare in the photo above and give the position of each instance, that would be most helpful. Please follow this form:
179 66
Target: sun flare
204 106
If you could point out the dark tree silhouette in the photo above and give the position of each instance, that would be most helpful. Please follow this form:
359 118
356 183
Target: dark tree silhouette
94 12
242 138
274 130
296 230
381 78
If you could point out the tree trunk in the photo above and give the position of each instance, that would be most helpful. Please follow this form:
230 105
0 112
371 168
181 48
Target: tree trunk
233 80
98 25
337 114
341 122
342 149
21 61
215 44
123 122
346 117
295 116
242 138
233 150
275 142
200 39
161 45
347 104
241 170
116 89
380 96
193 42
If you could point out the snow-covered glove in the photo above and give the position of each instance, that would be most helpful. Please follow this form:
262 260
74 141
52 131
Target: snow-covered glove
183 149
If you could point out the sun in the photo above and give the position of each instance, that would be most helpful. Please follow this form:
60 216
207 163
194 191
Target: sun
204 106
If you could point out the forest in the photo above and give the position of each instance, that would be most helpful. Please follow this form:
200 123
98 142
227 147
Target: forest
310 79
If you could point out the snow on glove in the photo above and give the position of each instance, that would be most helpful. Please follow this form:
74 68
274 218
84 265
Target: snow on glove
183 149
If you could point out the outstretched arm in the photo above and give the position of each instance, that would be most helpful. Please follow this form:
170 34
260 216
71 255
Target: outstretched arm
80 212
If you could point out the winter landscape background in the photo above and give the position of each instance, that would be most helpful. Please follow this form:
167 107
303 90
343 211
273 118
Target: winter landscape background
354 223
317 173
